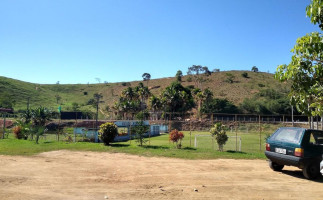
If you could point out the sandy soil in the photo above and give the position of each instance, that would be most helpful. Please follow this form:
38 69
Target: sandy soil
88 175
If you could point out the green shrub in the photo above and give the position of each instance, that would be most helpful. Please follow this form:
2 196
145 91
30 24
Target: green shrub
219 132
245 75
108 132
230 78
126 84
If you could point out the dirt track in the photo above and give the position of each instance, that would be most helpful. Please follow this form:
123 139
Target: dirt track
87 175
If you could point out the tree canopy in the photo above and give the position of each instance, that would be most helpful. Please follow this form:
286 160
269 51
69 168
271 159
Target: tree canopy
177 98
305 71
254 69
179 75
196 71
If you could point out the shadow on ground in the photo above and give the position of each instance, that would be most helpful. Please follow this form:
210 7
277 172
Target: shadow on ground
236 152
155 147
119 145
299 174
189 148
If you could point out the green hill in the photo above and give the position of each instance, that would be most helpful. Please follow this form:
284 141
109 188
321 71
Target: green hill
45 94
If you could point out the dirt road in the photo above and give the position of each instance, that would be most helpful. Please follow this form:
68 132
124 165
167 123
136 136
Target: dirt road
87 175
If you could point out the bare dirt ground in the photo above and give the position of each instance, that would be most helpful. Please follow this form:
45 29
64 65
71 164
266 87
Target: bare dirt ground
88 175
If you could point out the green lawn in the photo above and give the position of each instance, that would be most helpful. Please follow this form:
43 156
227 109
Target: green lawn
158 146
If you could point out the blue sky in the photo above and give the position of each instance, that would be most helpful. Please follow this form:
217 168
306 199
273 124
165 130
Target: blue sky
77 41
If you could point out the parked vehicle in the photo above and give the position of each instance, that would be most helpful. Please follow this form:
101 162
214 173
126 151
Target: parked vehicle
299 147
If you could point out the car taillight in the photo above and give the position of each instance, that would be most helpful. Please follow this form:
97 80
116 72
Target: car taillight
267 147
299 152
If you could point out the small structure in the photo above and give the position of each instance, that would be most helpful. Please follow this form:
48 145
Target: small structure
124 135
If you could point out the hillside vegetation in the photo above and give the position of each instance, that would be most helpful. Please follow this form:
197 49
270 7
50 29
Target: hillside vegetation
235 90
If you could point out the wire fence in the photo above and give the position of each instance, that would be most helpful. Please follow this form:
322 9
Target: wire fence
247 133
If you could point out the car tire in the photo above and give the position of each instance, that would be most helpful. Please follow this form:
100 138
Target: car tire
311 170
274 166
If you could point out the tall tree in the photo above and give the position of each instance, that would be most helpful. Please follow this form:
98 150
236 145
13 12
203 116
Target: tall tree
196 71
179 75
315 12
177 98
146 77
143 93
132 100
202 97
129 94
206 71
155 103
254 69
199 98
40 116
305 71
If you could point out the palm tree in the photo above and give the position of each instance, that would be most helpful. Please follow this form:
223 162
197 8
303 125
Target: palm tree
129 94
40 116
177 98
26 115
143 93
155 104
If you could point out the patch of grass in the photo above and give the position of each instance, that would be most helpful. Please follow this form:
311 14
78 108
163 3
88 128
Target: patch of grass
159 146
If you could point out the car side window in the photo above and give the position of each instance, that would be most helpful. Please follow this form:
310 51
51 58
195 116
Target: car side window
318 137
312 139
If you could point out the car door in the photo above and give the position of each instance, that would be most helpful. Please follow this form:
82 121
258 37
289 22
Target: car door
314 145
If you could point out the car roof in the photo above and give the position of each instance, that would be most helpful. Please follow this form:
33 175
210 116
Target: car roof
307 129
292 128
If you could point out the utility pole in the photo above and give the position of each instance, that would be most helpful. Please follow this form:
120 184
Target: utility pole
259 133
97 101
236 132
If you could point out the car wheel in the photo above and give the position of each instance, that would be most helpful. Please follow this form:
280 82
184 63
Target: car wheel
274 166
311 170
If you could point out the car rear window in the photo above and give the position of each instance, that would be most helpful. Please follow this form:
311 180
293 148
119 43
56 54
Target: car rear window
288 135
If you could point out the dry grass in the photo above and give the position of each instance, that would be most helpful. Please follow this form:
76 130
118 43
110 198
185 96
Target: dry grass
44 95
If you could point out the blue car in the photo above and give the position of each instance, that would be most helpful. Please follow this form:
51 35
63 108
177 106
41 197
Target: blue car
299 147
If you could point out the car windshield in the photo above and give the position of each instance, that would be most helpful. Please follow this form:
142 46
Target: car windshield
291 135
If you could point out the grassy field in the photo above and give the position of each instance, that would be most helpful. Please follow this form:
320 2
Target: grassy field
156 146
